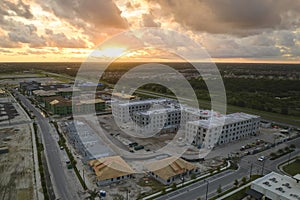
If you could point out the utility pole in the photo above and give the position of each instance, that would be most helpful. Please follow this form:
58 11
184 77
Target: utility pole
262 169
289 157
127 194
207 183
251 170
83 175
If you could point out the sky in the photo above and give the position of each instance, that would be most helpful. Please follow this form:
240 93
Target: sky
229 30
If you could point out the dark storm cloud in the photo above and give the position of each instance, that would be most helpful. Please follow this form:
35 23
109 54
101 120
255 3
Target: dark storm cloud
62 41
19 9
23 33
238 17
99 13
95 17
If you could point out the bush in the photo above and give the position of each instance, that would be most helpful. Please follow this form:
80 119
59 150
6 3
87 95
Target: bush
244 180
287 148
219 190
193 176
280 151
273 154
236 183
174 186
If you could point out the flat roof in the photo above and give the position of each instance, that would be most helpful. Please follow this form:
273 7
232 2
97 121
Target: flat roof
68 89
91 101
90 140
168 109
141 102
226 119
196 111
281 185
44 93
297 177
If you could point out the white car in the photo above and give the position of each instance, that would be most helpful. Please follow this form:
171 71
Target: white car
262 158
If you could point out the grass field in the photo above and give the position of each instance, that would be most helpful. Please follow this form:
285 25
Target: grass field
285 119
293 168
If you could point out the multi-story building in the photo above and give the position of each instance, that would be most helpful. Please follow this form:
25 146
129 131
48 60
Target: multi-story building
160 120
123 111
193 114
28 87
222 129
58 105
204 128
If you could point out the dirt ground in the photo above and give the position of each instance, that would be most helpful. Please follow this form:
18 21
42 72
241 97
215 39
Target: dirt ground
16 167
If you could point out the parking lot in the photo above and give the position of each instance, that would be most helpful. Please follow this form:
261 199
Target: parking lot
10 112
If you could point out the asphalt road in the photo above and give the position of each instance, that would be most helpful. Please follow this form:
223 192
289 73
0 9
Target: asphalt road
226 179
63 188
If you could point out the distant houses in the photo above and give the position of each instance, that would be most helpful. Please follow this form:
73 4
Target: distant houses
57 98
28 87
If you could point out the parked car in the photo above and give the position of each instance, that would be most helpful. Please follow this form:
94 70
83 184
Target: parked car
261 158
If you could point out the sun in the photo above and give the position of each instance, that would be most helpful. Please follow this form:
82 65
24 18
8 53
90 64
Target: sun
110 52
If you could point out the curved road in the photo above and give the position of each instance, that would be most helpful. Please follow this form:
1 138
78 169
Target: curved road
227 178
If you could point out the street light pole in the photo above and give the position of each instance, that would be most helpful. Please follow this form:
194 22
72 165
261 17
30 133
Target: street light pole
127 194
289 157
207 183
251 170
262 169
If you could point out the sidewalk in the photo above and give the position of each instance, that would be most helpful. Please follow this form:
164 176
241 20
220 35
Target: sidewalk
234 191
39 195
186 183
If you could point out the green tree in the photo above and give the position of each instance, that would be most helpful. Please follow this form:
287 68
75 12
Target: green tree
219 190
273 154
280 151
193 176
174 186
244 180
236 182
292 146
287 148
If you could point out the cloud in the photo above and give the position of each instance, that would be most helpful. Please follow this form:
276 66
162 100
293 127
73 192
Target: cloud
148 21
286 38
236 17
18 8
255 46
94 18
62 41
6 43
24 33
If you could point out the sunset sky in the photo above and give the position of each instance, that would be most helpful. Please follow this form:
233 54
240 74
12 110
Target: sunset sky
230 30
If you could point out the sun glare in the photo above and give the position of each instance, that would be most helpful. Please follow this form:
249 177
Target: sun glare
111 52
